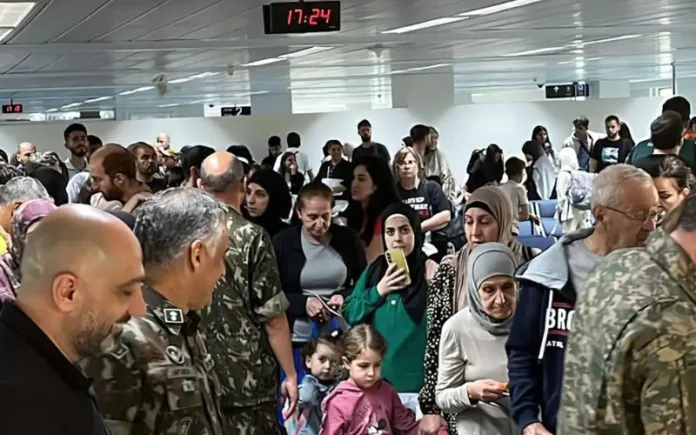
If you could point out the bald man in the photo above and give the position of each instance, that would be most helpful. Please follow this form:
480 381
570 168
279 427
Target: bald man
250 302
161 380
24 151
71 303
113 172
163 141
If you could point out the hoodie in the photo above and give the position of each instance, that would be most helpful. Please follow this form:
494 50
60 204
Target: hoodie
537 340
351 410
583 149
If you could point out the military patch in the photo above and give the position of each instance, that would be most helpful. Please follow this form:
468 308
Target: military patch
187 386
180 372
208 362
175 355
173 315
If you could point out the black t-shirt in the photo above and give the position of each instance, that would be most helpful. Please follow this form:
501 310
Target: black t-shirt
157 185
607 152
376 150
427 199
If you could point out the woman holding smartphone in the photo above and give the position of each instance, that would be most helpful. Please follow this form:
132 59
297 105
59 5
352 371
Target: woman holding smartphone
393 300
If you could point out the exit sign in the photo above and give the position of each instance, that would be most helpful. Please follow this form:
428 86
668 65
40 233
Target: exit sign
12 108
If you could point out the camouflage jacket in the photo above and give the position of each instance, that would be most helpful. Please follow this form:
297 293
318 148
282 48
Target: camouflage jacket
630 366
159 379
248 295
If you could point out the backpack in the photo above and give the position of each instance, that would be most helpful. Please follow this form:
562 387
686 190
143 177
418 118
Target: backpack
580 193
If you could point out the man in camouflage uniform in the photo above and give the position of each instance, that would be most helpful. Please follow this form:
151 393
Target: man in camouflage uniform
159 377
246 326
631 360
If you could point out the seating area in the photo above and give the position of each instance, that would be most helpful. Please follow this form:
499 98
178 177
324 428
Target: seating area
545 233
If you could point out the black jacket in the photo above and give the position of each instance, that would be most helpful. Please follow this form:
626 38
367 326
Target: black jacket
291 260
342 171
41 392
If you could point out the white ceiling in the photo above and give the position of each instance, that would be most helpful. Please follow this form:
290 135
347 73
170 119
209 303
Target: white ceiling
69 51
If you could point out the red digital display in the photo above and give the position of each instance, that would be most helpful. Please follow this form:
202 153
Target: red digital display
302 17
12 108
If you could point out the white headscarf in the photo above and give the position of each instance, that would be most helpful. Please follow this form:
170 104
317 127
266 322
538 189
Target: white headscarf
568 159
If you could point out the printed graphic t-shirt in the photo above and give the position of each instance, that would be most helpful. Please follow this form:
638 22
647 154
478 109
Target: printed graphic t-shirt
427 199
607 152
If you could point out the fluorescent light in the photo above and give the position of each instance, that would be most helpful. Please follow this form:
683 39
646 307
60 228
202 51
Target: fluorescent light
51 110
168 105
498 8
249 94
12 14
537 51
5 33
614 39
94 100
194 77
135 91
68 106
262 62
426 25
305 52
420 68
589 59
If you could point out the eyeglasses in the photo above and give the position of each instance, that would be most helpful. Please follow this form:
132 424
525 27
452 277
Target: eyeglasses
656 216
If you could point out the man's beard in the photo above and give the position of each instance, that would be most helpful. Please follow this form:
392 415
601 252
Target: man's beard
114 194
366 137
93 337
149 170
80 151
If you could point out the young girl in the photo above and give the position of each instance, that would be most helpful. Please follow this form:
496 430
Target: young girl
322 359
366 404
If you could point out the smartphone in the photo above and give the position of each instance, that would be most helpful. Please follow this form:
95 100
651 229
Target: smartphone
397 256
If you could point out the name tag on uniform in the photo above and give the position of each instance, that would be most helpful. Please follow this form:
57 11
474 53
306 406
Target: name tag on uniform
180 372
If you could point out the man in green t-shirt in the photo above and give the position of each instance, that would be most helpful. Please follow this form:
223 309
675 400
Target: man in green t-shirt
688 150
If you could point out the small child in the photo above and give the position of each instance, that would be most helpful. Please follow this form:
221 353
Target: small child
322 359
365 404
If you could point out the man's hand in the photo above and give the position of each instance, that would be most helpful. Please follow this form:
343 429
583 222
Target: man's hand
535 429
289 391
430 424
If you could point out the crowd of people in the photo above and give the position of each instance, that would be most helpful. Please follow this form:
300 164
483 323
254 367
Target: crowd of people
151 291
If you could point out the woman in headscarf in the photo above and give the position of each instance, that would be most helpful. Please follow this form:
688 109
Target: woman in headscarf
488 217
393 301
541 174
268 201
570 217
23 222
54 182
472 374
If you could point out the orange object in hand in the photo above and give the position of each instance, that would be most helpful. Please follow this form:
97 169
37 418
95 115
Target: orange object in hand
504 386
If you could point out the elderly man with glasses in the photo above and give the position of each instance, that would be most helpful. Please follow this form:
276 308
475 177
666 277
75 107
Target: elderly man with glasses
625 205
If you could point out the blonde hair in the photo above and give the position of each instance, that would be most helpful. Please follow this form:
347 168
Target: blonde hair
401 155
361 337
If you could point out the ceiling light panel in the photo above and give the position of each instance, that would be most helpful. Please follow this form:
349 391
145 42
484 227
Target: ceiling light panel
425 25
305 52
498 8
194 77
68 106
536 51
135 91
12 14
420 68
262 62
94 100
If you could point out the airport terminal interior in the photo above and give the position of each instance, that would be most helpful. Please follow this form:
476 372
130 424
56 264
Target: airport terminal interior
347 217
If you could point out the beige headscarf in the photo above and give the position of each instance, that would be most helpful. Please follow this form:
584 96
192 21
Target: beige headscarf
495 201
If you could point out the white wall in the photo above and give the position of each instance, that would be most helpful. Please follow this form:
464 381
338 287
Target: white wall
462 128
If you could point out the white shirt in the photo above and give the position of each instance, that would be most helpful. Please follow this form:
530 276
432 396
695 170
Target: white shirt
72 171
302 161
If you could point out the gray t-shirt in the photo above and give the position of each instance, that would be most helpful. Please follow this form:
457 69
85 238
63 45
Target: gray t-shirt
323 274
581 261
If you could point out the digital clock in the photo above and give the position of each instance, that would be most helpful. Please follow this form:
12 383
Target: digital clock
12 108
302 17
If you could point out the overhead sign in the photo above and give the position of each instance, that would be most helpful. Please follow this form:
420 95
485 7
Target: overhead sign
569 90
12 108
302 17
235 111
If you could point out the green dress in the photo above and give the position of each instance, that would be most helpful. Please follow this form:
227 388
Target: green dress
403 363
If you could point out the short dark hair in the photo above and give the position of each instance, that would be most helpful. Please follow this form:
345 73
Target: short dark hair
274 141
419 132
174 177
3 156
8 172
668 166
193 158
132 148
293 140
581 121
514 167
611 118
94 140
692 122
680 105
364 123
331 342
314 189
118 160
686 219
73 128
666 131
